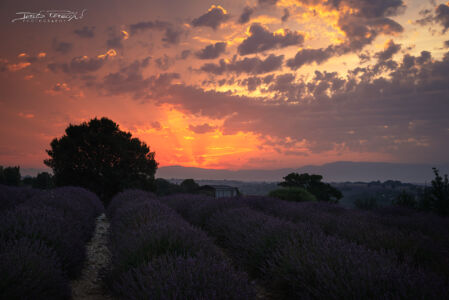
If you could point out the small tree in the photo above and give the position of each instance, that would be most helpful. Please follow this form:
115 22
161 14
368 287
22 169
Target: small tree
11 176
189 186
43 180
100 157
405 199
440 194
295 194
313 184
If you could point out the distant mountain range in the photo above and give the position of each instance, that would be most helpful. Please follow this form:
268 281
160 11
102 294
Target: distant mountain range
332 172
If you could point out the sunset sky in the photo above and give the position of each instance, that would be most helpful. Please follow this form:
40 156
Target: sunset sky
232 84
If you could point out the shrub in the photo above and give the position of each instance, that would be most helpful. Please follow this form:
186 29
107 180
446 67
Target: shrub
405 199
11 196
46 225
31 270
323 267
156 254
169 277
366 203
294 194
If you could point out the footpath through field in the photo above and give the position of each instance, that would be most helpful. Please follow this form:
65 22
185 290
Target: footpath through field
88 286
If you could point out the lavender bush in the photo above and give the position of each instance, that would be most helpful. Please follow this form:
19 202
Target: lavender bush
177 277
158 255
11 196
42 240
415 243
31 270
300 261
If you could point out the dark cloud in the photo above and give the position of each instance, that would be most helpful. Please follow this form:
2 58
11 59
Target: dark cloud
261 39
62 47
213 18
442 16
286 15
80 65
363 31
83 64
247 65
156 125
390 49
308 56
172 36
143 26
268 2
212 51
252 83
172 33
200 129
246 15
446 44
85 32
185 54
115 39
130 80
164 62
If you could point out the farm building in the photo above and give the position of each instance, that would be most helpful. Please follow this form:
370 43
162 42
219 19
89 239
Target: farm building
220 191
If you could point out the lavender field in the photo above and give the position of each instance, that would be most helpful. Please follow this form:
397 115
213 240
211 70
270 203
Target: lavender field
197 247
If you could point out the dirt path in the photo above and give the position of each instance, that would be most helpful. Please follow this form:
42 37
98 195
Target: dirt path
89 285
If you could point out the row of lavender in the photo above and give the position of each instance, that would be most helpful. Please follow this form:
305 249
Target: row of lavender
158 255
43 236
419 239
298 260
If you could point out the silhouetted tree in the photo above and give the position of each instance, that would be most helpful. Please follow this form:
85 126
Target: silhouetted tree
43 180
405 199
295 194
2 176
165 187
313 184
11 176
189 186
100 157
440 194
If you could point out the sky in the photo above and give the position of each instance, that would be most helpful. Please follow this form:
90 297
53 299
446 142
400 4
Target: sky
257 84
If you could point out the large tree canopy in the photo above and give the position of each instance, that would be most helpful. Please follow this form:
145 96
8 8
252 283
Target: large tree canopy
313 184
100 157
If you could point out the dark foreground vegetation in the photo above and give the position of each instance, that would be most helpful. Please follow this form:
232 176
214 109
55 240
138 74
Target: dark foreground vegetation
322 251
158 255
42 240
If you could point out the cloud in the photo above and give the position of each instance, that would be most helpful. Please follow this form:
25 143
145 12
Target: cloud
442 16
286 15
172 36
143 26
82 64
215 16
201 129
185 54
164 62
212 51
12 67
260 39
85 32
26 115
252 65
246 15
308 56
389 50
446 44
268 2
61 47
